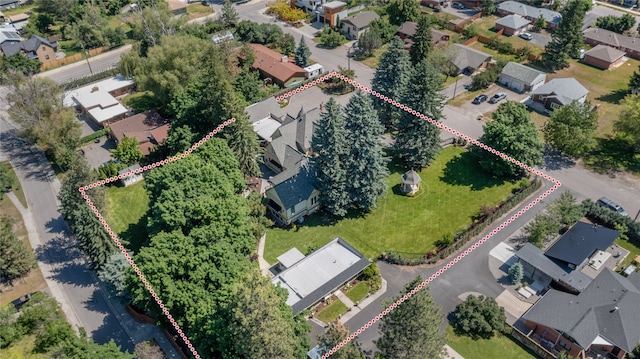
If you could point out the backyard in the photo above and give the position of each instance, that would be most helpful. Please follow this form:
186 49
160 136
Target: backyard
452 191
331 312
126 213
500 346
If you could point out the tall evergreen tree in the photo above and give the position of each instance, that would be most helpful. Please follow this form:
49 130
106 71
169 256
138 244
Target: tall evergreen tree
329 144
391 79
411 330
422 44
16 260
512 133
417 140
229 15
302 53
336 334
365 162
567 38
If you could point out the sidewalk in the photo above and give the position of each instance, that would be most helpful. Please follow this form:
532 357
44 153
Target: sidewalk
355 309
264 266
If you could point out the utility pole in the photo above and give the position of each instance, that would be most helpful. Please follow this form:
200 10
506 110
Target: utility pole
86 56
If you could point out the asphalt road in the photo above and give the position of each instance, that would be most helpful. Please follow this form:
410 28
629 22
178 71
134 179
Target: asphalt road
601 10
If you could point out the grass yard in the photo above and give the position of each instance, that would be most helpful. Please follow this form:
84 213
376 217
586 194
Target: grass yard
453 189
632 248
332 311
358 292
499 346
127 213
495 54
198 10
374 60
141 101
22 349
19 10
32 282
17 189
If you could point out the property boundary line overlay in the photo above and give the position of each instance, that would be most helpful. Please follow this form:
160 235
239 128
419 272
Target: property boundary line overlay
391 307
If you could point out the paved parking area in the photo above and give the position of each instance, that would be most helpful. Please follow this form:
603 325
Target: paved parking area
513 307
486 107
98 153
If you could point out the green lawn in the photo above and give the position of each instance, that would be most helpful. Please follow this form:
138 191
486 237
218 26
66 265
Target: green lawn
358 292
17 189
198 10
126 213
632 248
331 312
22 349
499 346
373 61
452 191
141 101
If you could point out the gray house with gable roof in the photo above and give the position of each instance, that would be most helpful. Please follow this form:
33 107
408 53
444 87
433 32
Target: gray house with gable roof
530 13
603 321
469 60
521 78
559 92
355 25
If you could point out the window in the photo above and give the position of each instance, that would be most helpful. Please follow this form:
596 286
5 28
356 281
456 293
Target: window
46 57
565 346
44 48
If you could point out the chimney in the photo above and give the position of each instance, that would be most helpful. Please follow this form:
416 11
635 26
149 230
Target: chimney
95 89
615 309
285 58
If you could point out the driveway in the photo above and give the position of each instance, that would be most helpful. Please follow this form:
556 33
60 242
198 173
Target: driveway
474 110
539 39
600 10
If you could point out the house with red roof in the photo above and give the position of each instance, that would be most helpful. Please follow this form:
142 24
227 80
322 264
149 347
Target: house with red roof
276 66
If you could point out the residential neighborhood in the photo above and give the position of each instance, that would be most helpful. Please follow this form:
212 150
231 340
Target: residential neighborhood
317 179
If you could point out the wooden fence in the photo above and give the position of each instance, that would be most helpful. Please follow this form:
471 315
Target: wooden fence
70 59
531 344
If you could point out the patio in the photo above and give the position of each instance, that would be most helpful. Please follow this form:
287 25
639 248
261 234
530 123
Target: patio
617 256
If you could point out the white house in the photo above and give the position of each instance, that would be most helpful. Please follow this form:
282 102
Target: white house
355 25
521 78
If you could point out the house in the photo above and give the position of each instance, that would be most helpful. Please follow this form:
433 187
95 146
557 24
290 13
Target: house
35 47
291 191
469 60
512 25
604 57
355 25
131 175
9 4
314 70
149 128
268 106
563 264
276 66
408 29
97 100
521 78
332 12
309 279
630 45
559 92
177 7
9 34
530 13
603 321
19 21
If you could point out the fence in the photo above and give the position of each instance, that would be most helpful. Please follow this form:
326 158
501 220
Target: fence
531 344
73 58
459 24
80 81
463 237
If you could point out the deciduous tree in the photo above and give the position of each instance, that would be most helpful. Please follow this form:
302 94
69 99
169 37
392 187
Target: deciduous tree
571 129
19 63
540 24
479 317
617 24
628 122
488 7
422 44
391 80
128 151
512 133
365 162
369 41
417 140
229 14
411 330
400 11
329 144
16 260
334 335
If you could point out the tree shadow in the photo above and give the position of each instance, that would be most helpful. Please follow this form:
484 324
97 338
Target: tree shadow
612 155
614 97
463 170
556 160
136 235
31 160
67 263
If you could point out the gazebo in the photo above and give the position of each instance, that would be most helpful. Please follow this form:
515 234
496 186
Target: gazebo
410 182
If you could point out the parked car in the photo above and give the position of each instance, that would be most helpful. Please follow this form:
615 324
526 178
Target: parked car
457 5
480 99
498 97
526 35
607 203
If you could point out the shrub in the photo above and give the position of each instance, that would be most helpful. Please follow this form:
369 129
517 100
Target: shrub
479 317
516 273
331 38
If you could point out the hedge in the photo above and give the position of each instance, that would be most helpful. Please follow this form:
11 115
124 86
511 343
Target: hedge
86 139
609 218
77 82
463 237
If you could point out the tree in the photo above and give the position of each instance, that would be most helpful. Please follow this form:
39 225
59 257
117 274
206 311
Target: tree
383 29
287 44
411 330
540 24
7 181
153 21
229 15
542 228
400 11
369 41
571 129
334 335
16 260
329 143
565 211
488 7
512 133
90 30
567 39
365 162
128 151
422 44
148 350
248 84
391 80
113 274
302 53
331 38
417 140
443 61
479 317
19 63
616 24
258 321
628 123
516 273
634 83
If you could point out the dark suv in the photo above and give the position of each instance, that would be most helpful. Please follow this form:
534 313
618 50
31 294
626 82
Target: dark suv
480 99
607 203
